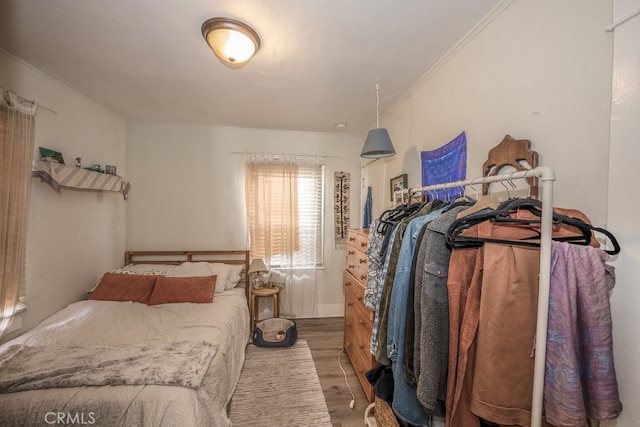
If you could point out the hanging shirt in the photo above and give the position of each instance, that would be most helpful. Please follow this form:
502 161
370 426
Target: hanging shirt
432 325
383 306
376 263
405 402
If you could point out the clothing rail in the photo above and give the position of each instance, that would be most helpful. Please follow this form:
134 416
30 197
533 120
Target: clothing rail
547 176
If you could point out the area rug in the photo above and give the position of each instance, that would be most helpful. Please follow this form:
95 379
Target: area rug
279 387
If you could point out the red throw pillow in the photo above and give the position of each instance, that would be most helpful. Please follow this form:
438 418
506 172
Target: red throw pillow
124 287
183 289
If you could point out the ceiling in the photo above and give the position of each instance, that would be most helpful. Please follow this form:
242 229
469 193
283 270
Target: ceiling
318 65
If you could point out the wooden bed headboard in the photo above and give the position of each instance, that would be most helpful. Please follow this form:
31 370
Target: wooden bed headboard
178 257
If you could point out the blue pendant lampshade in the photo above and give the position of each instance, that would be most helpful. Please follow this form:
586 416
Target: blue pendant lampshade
378 144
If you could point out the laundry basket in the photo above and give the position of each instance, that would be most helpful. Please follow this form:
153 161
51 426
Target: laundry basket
268 333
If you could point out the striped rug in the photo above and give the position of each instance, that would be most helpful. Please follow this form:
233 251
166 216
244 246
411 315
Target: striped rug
279 387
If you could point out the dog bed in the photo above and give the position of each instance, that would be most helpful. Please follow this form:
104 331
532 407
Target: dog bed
276 332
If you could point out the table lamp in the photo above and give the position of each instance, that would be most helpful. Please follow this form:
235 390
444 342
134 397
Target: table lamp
257 269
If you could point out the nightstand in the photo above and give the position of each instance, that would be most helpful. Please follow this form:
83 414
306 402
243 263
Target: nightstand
263 292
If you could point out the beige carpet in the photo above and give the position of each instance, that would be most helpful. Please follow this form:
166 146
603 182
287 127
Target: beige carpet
279 387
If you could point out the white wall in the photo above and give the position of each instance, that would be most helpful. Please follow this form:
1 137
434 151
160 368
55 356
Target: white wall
75 235
543 70
188 189
623 206
539 70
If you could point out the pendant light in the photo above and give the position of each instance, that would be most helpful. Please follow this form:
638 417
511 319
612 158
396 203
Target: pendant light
232 41
378 144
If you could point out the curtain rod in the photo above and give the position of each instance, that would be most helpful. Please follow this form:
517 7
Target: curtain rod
284 154
621 21
29 100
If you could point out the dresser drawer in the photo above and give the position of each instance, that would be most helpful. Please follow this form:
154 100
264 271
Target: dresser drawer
353 286
357 341
357 240
358 322
358 266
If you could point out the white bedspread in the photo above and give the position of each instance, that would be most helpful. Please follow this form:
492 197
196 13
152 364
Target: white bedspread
224 323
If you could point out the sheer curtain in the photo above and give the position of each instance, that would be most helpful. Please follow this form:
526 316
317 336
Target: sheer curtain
17 132
284 213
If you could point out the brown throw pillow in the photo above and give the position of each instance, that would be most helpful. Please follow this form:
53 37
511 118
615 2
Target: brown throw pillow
124 287
183 289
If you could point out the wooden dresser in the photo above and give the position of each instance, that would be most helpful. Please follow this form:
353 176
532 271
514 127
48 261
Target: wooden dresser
358 320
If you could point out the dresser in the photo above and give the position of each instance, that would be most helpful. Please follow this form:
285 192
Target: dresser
358 320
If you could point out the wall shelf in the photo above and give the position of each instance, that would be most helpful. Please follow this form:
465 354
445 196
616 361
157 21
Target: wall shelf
58 175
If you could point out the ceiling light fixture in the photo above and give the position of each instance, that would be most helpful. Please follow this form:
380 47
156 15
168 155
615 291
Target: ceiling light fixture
378 143
232 41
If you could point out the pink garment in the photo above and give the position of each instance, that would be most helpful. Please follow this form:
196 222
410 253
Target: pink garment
580 378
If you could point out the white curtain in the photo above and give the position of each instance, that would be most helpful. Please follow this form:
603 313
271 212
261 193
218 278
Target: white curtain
284 213
17 132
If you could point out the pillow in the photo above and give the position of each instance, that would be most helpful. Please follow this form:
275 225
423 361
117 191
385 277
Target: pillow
147 268
124 287
197 269
183 289
228 273
234 274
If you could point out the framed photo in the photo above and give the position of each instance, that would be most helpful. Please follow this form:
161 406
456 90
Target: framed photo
49 155
398 183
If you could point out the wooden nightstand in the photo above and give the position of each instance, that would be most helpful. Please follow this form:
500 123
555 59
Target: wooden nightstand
263 292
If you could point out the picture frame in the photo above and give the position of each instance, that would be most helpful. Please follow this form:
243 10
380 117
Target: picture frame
398 183
49 155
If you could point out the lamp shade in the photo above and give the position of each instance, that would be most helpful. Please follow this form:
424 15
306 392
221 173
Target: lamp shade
232 41
378 144
258 266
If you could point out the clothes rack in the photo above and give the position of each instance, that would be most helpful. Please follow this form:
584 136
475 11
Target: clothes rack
547 176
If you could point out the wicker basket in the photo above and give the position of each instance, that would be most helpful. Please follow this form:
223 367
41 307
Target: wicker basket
384 414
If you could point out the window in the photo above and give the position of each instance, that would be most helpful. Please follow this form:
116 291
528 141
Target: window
285 196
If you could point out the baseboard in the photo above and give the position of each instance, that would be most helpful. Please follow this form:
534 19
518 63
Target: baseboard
330 310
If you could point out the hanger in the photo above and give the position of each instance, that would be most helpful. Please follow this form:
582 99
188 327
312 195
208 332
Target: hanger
486 201
393 215
502 215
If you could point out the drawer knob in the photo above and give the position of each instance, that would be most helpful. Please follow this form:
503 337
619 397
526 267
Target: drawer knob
351 252
348 345
363 244
362 260
349 323
361 346
363 276
347 283
352 239
360 297
361 322
349 304
352 266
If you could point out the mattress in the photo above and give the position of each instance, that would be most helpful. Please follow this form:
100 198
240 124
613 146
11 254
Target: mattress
225 323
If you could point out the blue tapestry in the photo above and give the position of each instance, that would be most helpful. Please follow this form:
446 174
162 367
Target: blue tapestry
445 164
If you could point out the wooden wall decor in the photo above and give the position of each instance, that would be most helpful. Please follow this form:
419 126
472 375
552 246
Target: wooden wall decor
511 152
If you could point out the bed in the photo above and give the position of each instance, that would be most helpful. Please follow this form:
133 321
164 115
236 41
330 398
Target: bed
165 362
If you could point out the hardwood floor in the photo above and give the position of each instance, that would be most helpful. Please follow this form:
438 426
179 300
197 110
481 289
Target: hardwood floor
325 339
